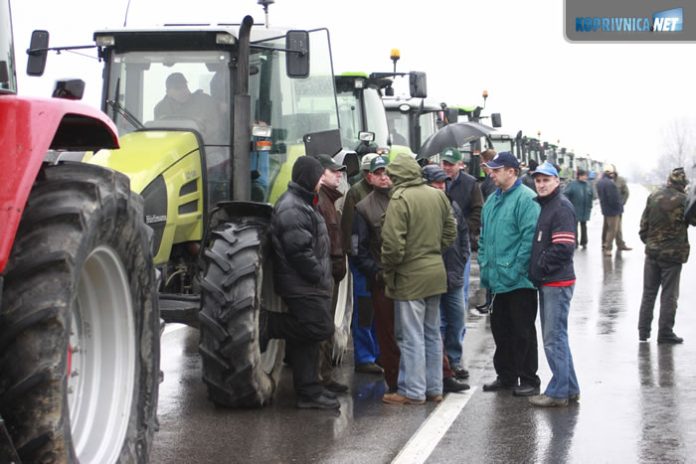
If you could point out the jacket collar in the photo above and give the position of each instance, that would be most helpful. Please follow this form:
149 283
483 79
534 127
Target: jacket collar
301 192
331 193
548 198
499 191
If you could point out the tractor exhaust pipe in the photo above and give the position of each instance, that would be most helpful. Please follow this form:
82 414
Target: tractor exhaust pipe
241 127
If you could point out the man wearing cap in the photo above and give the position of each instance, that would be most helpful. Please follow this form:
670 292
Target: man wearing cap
663 229
418 227
366 256
466 192
551 270
509 220
328 195
302 276
366 348
452 311
180 103
611 205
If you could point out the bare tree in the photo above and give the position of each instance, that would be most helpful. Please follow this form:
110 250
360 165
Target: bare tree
679 148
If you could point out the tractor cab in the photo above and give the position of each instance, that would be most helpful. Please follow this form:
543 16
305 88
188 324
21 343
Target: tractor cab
211 113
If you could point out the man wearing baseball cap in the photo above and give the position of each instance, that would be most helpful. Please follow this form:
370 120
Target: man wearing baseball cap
509 220
466 192
366 348
551 270
328 195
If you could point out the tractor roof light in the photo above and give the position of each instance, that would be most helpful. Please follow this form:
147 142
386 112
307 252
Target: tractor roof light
105 40
261 130
223 38
404 107
395 54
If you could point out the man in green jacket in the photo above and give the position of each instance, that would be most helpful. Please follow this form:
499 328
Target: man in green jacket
509 220
418 226
579 192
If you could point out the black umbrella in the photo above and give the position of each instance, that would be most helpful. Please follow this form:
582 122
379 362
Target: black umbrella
453 135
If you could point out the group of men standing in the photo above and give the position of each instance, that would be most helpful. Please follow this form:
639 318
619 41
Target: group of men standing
409 231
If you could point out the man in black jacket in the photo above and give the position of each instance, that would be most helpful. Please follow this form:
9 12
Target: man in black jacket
612 207
302 271
551 270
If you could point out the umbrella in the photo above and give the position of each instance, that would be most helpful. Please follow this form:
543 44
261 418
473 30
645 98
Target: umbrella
453 135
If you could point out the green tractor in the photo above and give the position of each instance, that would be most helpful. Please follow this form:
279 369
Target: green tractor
210 174
362 113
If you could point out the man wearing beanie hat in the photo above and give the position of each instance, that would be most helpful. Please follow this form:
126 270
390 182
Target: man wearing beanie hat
663 230
302 272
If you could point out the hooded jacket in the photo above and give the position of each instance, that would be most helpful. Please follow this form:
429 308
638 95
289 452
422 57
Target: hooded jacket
505 248
299 236
663 227
418 226
579 192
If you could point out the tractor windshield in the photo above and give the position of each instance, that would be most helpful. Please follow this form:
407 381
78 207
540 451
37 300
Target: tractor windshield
500 145
399 128
360 110
8 82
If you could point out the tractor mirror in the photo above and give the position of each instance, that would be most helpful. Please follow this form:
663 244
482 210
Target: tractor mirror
297 54
496 120
366 137
417 84
71 89
38 51
452 115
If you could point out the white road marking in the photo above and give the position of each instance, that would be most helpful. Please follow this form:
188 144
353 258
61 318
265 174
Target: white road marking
429 434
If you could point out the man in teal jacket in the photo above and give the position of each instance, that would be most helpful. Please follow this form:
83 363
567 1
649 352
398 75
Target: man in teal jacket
418 226
509 220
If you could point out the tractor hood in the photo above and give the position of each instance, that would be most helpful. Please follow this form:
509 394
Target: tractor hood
144 155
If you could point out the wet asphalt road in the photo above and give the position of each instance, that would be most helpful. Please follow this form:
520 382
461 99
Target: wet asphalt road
638 400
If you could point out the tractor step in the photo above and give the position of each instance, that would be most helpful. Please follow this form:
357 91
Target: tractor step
182 309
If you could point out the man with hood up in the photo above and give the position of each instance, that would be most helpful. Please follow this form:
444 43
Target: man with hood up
302 272
663 229
418 227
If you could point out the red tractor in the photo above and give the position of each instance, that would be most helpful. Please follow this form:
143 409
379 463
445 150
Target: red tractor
79 320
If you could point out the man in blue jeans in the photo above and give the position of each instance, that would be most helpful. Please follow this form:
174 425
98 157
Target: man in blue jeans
551 270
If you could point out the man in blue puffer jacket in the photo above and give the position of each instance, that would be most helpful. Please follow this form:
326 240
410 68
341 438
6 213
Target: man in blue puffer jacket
509 219
551 270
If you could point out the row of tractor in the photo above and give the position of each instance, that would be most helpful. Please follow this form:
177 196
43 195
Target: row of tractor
117 221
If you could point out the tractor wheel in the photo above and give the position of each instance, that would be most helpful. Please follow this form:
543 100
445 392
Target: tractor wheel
79 339
237 283
342 317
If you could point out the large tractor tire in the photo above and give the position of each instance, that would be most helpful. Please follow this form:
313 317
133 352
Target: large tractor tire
79 339
237 283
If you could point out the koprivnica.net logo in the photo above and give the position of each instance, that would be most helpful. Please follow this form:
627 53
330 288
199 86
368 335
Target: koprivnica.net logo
662 21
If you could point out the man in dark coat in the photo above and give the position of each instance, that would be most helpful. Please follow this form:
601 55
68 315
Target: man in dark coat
302 272
551 270
611 205
579 192
663 230
328 195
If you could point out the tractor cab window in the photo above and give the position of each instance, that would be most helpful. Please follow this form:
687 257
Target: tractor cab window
179 90
428 123
8 82
376 120
399 128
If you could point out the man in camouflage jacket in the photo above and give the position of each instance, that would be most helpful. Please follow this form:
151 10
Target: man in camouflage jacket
663 230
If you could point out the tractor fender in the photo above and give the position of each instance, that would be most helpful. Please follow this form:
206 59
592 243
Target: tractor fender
30 127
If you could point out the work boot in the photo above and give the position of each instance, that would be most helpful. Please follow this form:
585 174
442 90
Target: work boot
369 368
625 248
497 385
335 387
396 398
461 373
643 336
453 385
547 402
320 401
434 398
671 339
525 390
607 253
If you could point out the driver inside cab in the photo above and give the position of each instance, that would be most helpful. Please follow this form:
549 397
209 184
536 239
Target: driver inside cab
180 103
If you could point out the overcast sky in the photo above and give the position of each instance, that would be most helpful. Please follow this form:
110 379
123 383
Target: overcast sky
613 101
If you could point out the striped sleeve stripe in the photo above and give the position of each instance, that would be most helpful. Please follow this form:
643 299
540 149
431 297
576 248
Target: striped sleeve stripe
563 237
